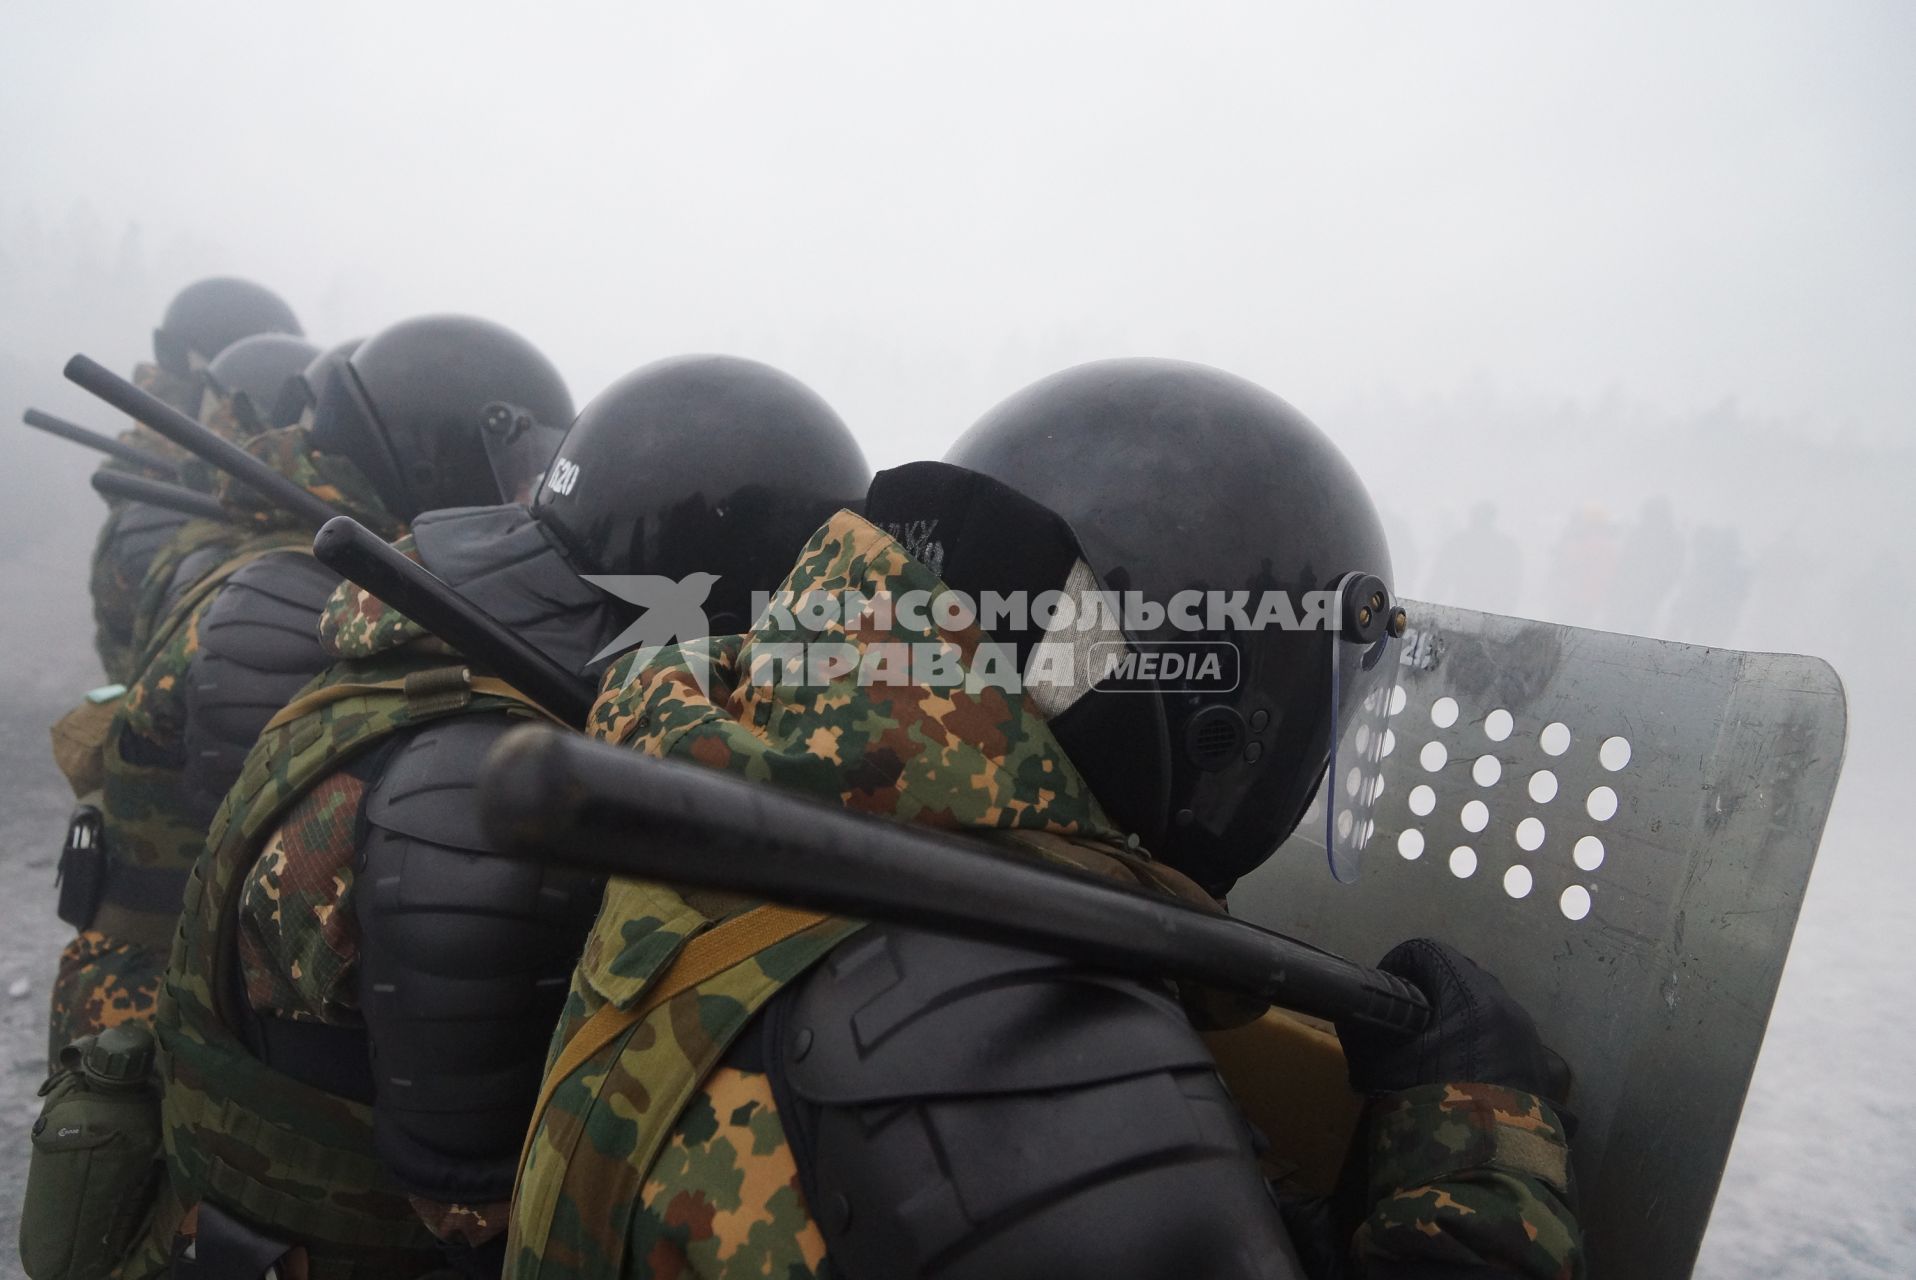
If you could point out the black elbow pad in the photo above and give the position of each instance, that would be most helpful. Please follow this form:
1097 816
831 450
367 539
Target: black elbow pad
464 963
967 1111
259 644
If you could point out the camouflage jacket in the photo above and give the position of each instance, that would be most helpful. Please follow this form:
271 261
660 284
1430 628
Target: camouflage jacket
144 820
647 1161
110 972
268 895
298 934
120 563
652 1160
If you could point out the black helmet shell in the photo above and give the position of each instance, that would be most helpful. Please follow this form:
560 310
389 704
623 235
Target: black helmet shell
301 393
210 315
1181 477
701 463
411 404
259 368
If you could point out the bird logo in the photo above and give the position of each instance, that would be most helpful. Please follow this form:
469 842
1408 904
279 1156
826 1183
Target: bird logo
674 610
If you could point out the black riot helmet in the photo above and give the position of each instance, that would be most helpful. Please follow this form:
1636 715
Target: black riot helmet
259 368
1178 478
701 464
300 395
444 411
209 316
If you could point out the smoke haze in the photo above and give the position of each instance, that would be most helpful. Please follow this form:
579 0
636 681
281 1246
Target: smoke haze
1611 307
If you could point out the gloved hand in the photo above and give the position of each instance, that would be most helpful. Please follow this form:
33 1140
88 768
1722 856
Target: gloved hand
1476 1034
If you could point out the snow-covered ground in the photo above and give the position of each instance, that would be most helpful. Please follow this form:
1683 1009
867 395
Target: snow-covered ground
1818 1182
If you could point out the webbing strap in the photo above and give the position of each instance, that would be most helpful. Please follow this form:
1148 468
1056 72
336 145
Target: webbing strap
709 954
146 888
413 687
270 1145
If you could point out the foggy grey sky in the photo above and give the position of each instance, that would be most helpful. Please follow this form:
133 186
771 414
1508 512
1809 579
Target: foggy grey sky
916 208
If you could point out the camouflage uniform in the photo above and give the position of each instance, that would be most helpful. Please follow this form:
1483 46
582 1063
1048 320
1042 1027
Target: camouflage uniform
110 971
120 565
272 900
652 1159
272 891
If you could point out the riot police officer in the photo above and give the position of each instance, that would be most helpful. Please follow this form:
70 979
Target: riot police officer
393 985
872 1101
403 427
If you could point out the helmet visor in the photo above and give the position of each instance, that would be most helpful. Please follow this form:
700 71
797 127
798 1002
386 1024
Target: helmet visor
344 423
1364 696
519 447
297 401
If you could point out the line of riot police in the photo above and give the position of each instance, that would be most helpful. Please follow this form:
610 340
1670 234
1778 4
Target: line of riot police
311 1023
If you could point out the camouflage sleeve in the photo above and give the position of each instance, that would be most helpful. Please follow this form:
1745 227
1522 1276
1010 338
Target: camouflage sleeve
1472 1178
298 938
155 704
330 477
722 1201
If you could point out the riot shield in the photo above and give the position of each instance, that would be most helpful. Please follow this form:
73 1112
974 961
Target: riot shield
1621 829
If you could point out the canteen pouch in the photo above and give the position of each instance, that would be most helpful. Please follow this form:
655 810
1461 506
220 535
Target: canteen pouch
96 1160
79 739
82 875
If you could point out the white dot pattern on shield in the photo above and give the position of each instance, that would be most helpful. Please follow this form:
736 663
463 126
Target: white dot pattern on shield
1508 835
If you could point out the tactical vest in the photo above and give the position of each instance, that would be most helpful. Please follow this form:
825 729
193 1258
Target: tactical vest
151 841
200 547
132 537
294 1161
681 962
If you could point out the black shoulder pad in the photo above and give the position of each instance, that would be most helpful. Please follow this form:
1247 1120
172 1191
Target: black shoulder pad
895 1014
134 534
259 642
140 530
972 1112
193 566
464 963
267 614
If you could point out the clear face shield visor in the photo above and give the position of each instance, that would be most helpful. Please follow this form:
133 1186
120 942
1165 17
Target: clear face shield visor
1361 737
519 447
1364 695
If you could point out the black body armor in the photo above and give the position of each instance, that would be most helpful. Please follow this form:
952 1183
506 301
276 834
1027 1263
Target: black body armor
464 963
966 1111
259 644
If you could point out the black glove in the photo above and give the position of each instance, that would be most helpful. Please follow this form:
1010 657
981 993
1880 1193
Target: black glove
1476 1034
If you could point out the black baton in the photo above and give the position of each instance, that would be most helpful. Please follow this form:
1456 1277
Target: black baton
158 493
555 797
97 440
196 439
361 556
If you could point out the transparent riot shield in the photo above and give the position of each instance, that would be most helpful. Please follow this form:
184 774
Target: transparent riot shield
1621 830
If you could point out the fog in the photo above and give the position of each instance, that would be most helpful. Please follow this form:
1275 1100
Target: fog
1612 309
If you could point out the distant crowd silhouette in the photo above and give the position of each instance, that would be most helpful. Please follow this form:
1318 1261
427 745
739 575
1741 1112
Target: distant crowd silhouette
1650 576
